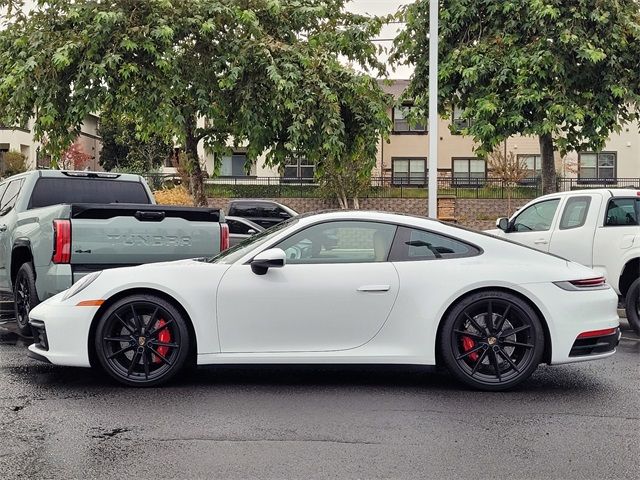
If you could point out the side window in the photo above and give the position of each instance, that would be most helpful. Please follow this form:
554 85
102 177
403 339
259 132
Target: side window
537 217
3 188
10 196
282 213
238 227
575 212
414 245
340 242
621 211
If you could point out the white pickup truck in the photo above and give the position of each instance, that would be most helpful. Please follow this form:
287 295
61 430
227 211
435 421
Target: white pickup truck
597 228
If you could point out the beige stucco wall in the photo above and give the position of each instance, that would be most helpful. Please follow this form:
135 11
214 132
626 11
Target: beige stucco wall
22 141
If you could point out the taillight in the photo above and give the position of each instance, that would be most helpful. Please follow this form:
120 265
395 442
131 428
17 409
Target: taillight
61 241
597 283
224 236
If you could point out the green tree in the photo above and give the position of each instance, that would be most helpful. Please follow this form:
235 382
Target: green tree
565 71
264 73
122 147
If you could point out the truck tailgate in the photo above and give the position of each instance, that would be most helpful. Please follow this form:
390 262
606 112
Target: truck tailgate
125 234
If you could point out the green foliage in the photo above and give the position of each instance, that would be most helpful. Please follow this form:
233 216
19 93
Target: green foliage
264 73
13 163
124 150
562 70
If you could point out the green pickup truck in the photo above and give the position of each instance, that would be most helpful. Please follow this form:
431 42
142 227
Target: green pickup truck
57 226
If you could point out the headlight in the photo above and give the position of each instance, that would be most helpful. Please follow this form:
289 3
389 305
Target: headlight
80 285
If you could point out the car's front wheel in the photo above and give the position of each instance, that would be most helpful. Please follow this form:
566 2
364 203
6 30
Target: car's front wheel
492 340
142 341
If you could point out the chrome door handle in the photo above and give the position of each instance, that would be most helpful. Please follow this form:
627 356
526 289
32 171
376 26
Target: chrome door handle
3 228
540 242
374 288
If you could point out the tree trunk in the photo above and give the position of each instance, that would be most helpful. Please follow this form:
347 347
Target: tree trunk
549 183
356 203
195 172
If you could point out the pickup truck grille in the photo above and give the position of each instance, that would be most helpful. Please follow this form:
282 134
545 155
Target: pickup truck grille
39 334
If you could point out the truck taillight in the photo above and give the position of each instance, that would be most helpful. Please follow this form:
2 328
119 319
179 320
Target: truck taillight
224 236
61 241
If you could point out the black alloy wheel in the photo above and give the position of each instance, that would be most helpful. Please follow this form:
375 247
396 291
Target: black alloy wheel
492 340
142 340
24 297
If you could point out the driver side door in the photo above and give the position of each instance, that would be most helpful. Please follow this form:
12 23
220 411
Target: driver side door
534 225
335 292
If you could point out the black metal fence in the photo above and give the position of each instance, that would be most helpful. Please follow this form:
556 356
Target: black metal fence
388 187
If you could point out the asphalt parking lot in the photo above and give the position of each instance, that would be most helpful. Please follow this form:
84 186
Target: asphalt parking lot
577 421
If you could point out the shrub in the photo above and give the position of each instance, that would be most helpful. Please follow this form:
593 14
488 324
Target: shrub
174 196
13 163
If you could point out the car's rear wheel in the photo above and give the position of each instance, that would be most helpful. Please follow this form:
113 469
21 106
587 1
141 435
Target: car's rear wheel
25 296
492 340
142 341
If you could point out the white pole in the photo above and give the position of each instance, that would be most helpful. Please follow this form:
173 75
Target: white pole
433 108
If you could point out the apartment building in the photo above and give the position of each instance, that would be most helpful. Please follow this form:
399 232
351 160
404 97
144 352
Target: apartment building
404 159
20 139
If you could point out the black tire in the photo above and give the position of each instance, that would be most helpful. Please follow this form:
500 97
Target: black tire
632 305
25 296
495 355
142 341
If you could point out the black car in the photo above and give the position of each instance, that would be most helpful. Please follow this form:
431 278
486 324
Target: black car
240 229
265 213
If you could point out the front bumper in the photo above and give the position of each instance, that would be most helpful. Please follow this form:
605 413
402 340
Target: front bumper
61 333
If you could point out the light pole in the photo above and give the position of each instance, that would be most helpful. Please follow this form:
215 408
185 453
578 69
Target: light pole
433 108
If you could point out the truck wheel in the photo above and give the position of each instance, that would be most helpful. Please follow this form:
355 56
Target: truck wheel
632 305
25 296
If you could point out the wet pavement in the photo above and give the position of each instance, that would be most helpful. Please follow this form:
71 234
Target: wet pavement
576 421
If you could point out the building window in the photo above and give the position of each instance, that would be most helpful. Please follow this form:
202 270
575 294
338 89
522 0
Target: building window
4 148
401 124
469 171
599 166
409 171
458 122
533 163
299 168
234 165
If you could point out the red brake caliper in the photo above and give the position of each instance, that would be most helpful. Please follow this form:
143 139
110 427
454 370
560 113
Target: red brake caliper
469 344
164 336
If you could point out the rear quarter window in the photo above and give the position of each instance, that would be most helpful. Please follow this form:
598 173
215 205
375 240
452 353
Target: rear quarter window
53 191
413 244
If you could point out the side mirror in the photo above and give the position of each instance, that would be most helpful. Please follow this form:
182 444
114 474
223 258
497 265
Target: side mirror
272 258
284 215
251 231
502 223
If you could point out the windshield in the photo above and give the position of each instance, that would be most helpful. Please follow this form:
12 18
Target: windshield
231 255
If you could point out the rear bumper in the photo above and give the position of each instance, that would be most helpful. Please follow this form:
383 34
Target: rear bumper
571 313
587 347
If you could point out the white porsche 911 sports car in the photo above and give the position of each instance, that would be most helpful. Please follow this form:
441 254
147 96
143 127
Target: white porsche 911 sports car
339 287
